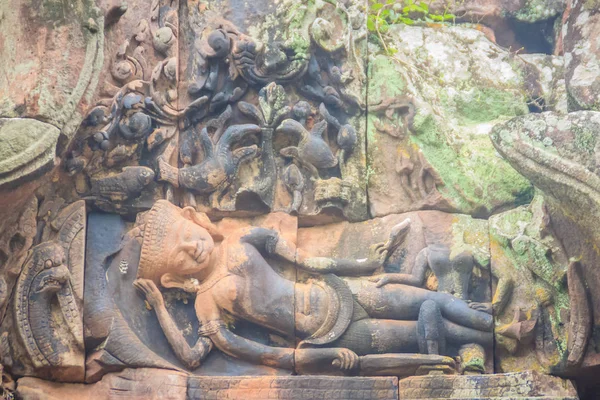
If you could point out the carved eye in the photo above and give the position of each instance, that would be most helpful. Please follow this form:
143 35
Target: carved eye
48 264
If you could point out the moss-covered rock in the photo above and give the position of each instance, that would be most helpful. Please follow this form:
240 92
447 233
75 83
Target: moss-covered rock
581 42
531 300
445 88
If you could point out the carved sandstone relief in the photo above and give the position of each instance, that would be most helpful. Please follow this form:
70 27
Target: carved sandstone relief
42 330
218 189
236 125
236 290
45 90
557 152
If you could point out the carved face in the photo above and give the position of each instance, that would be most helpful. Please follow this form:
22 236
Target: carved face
51 279
192 248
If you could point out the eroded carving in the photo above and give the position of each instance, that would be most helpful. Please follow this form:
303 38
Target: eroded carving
193 131
44 336
332 313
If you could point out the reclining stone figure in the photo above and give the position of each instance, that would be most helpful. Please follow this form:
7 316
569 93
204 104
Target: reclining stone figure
338 315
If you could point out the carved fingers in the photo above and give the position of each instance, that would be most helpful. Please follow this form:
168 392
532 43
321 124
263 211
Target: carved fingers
378 252
380 280
150 291
483 307
345 359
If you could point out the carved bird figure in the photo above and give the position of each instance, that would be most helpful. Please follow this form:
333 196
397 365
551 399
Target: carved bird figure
312 151
124 185
220 163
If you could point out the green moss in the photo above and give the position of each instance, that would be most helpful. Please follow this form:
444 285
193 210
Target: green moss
591 4
485 104
535 270
585 140
384 80
474 177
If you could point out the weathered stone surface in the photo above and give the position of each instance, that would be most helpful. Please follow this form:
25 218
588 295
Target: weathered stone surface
431 106
523 385
580 33
531 300
492 11
143 383
45 90
42 335
221 153
162 384
27 147
428 258
558 154
551 80
42 80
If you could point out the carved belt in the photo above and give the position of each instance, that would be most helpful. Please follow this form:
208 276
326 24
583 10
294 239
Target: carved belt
339 314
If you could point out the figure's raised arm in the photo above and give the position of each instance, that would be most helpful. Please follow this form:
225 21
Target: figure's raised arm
378 254
416 278
191 357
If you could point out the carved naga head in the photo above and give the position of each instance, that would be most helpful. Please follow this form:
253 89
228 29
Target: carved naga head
51 279
176 241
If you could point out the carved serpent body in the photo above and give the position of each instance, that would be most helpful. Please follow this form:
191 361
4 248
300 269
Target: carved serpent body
44 277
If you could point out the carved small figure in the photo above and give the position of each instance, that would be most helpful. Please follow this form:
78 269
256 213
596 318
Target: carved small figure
453 273
45 277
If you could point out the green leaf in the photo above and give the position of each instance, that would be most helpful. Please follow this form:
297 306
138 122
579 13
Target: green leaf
407 21
371 24
436 17
424 6
376 7
383 26
449 16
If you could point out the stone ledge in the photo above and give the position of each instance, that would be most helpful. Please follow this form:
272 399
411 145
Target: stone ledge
518 385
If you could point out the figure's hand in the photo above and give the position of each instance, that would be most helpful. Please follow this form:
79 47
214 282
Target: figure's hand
382 280
323 359
378 252
150 291
483 307
345 359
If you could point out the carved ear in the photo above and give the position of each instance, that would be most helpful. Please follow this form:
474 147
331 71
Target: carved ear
170 281
202 220
188 213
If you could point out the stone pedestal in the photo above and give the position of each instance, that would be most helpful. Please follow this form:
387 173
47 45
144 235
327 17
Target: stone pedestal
519 385
146 383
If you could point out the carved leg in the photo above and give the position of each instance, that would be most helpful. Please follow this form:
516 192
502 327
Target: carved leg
372 336
403 302
430 329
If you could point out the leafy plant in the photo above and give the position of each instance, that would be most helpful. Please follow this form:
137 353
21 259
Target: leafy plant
384 13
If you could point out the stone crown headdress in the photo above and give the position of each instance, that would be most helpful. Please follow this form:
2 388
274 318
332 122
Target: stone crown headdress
159 226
